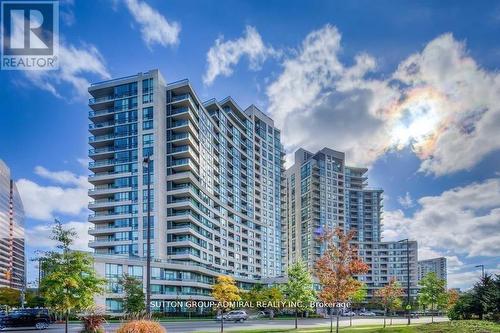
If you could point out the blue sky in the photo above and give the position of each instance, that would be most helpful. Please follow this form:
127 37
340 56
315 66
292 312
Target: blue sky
409 89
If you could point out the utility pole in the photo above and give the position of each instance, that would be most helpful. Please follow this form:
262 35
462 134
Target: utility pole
408 286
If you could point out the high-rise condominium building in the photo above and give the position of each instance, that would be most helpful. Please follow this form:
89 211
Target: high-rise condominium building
323 193
435 265
12 259
215 192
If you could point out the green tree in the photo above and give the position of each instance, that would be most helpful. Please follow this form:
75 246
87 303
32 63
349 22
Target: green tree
225 291
486 297
267 295
34 300
433 292
10 296
299 288
389 297
70 281
358 298
134 301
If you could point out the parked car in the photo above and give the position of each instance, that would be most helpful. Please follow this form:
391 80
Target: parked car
367 314
235 315
38 318
349 314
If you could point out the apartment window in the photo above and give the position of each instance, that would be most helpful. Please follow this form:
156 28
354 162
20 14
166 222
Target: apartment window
147 113
135 271
147 140
113 270
114 305
147 86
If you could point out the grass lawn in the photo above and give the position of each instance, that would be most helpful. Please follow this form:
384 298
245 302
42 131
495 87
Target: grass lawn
465 326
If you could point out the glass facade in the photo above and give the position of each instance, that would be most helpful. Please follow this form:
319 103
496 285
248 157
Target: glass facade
12 257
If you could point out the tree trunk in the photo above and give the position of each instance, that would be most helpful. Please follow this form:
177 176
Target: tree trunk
385 316
331 320
66 322
350 321
391 318
338 315
296 317
222 321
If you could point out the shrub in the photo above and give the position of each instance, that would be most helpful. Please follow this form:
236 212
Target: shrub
141 326
93 319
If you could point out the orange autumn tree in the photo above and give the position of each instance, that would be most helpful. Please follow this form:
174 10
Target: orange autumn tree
337 267
390 296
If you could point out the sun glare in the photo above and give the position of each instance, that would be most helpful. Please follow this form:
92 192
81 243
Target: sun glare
417 121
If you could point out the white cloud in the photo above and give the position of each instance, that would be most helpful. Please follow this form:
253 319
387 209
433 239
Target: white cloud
62 177
223 56
39 236
75 63
438 102
466 278
155 28
464 220
406 201
45 202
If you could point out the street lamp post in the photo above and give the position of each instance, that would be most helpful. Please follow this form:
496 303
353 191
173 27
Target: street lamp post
146 164
482 270
408 307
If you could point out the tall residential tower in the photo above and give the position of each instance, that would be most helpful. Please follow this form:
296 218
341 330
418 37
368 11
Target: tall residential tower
215 187
322 192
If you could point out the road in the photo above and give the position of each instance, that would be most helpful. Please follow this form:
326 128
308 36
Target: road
213 326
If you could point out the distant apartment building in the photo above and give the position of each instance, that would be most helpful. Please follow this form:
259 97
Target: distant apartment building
388 260
322 192
216 173
12 257
435 265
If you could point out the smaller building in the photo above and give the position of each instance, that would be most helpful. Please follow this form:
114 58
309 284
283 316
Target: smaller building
435 265
174 284
389 260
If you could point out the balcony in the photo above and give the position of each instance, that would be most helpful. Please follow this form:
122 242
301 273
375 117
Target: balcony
109 98
184 164
184 113
104 177
107 189
109 150
108 243
108 203
99 113
185 151
109 216
107 163
182 139
94 140
107 230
